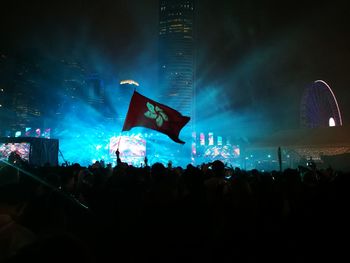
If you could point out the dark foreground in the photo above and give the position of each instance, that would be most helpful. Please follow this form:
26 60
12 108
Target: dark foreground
158 214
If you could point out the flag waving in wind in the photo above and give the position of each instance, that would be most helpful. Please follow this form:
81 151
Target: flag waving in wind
144 112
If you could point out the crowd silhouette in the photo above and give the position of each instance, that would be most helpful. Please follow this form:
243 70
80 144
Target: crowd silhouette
206 213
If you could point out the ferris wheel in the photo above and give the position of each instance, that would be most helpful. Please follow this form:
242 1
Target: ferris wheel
319 107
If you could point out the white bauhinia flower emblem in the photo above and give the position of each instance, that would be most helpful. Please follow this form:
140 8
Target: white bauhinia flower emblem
156 113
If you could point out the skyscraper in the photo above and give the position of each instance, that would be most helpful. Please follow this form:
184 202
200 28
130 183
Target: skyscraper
26 85
176 55
72 86
5 91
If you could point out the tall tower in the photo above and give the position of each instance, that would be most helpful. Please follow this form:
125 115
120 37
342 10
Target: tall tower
73 86
27 83
95 91
176 55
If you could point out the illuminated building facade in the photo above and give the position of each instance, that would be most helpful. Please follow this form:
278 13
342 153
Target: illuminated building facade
4 91
26 85
72 85
176 55
96 91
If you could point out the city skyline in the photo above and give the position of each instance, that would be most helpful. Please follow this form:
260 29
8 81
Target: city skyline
177 55
251 56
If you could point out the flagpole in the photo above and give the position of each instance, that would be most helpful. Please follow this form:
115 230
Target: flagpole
120 137
122 130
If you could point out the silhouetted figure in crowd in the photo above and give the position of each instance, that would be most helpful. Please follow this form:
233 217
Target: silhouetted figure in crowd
13 235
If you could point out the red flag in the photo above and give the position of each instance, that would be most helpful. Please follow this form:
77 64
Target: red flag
144 112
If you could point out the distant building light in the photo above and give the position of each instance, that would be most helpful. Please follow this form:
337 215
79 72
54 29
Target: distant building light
202 139
98 147
211 138
331 122
219 140
130 82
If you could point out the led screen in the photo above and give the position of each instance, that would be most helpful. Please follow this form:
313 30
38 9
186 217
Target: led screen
132 148
22 149
226 153
221 152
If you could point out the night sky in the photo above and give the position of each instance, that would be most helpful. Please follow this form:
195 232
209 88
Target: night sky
259 55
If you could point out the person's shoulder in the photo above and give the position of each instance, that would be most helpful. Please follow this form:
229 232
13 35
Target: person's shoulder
5 221
211 181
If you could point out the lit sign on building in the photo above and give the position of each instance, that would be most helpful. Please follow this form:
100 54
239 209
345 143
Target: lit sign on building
202 139
211 138
130 82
